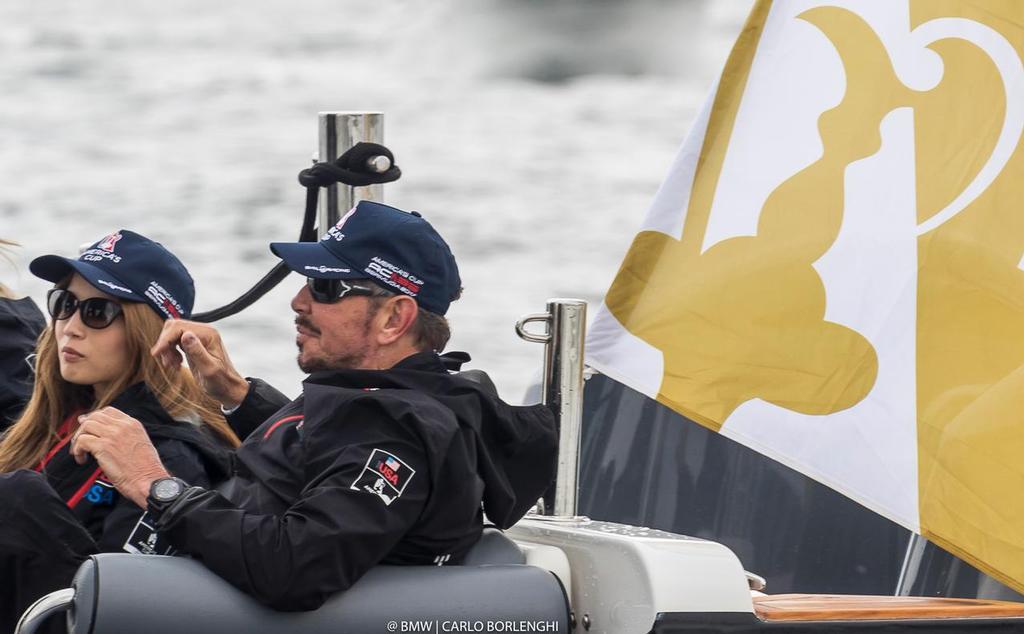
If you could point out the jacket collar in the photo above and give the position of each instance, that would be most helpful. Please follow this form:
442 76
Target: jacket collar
419 362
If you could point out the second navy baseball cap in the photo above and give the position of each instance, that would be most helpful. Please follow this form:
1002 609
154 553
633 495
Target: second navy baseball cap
128 266
399 250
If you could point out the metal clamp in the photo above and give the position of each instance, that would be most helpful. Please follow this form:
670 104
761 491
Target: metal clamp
378 164
53 603
532 337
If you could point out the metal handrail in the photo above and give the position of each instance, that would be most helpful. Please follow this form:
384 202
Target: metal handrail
526 335
565 322
44 608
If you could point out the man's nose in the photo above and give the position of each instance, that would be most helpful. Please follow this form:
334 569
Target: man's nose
302 301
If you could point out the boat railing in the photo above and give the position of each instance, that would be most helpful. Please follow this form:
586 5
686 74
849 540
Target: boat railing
565 323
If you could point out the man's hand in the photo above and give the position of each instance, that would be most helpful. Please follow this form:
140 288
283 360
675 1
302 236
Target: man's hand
207 358
123 450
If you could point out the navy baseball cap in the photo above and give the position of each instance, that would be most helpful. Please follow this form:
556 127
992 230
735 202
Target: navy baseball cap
397 249
128 266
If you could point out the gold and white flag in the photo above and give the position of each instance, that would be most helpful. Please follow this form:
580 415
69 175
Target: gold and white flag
832 272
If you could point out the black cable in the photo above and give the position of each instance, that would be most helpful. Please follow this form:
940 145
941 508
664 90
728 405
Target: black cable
351 168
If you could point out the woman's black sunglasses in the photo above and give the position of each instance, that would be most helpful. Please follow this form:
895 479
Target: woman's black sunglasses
96 312
329 291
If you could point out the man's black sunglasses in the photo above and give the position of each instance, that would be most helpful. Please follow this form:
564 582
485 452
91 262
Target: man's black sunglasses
329 291
96 312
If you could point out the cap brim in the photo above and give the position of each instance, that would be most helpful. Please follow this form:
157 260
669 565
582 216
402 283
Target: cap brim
312 259
55 268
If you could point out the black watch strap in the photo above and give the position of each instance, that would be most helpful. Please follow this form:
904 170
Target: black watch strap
163 493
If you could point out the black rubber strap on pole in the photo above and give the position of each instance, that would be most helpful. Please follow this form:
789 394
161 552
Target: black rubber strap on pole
352 169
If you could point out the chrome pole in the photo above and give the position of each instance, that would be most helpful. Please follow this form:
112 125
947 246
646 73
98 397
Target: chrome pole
566 322
43 609
339 131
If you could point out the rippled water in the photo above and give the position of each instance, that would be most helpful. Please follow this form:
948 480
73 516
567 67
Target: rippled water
532 134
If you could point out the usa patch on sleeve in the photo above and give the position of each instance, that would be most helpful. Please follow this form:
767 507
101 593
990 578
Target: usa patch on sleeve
384 475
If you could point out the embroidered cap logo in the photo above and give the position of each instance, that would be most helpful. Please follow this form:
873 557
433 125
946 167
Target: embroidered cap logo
107 244
335 231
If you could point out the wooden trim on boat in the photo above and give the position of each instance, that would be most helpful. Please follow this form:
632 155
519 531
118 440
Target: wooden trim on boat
824 607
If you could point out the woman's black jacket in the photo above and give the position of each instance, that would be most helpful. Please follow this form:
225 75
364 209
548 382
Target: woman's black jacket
186 450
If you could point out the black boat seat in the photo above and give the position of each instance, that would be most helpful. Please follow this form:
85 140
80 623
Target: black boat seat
164 595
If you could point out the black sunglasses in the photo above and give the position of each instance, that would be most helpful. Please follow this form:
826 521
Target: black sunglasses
329 291
96 312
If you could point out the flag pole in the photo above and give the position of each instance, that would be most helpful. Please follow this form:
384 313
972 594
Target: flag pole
911 564
339 131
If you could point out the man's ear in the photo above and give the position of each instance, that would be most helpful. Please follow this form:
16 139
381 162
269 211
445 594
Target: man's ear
395 317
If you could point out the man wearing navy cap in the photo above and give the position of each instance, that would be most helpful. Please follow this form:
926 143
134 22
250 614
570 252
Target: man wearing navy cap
386 457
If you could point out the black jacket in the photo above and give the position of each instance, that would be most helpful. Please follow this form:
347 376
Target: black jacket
187 451
20 325
365 467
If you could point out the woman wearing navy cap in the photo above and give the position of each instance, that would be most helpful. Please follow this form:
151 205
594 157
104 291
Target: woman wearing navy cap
108 308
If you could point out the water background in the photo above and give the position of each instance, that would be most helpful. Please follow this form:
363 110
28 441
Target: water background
532 134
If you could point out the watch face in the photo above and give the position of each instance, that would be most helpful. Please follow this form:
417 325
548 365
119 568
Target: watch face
167 489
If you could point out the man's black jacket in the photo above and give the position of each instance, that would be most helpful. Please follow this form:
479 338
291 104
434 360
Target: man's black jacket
366 467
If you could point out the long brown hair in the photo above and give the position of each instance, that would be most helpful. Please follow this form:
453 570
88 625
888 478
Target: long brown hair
53 398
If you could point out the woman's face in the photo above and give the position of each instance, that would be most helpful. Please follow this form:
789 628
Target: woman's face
90 356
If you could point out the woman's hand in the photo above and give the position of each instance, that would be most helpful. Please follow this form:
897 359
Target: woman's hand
123 450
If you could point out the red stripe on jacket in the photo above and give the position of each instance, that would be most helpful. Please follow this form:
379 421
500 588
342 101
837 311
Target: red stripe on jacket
65 435
80 493
286 419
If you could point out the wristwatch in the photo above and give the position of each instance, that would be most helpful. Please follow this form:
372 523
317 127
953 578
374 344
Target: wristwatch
164 492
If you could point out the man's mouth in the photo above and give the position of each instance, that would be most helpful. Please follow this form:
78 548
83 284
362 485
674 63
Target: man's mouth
304 327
